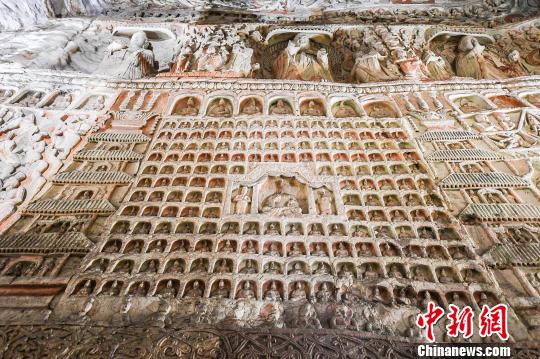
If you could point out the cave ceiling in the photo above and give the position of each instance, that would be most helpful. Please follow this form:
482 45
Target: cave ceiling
451 12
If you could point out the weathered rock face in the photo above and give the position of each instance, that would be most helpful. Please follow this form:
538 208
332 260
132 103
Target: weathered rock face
15 15
216 188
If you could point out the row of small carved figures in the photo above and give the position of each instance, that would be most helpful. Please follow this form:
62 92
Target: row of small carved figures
179 167
276 290
383 182
291 156
14 266
138 204
296 267
367 135
272 228
222 107
353 130
281 125
389 199
396 176
335 146
316 248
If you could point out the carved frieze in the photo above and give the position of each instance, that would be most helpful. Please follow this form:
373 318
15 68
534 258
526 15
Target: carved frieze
82 177
479 180
105 155
71 242
464 155
76 206
509 255
118 137
502 212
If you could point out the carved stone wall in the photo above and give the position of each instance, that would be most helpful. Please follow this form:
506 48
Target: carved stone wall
250 188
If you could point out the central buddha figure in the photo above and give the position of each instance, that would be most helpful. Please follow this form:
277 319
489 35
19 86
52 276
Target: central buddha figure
281 203
299 61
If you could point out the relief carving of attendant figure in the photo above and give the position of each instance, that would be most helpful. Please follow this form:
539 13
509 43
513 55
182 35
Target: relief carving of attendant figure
130 62
272 294
436 67
246 292
241 201
281 203
212 58
240 60
299 292
221 291
307 317
195 291
31 99
299 61
324 294
141 61
184 56
519 67
61 101
367 67
325 203
169 291
472 62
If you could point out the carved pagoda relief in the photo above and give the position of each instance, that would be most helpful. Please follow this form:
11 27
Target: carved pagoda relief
212 179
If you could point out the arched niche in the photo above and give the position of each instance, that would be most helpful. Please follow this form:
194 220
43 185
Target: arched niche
220 107
505 101
380 109
345 108
251 106
312 107
281 106
282 196
298 184
471 104
187 106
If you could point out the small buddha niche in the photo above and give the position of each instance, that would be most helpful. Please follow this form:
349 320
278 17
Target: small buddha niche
380 109
471 104
281 107
220 107
503 101
344 109
312 108
251 106
187 106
